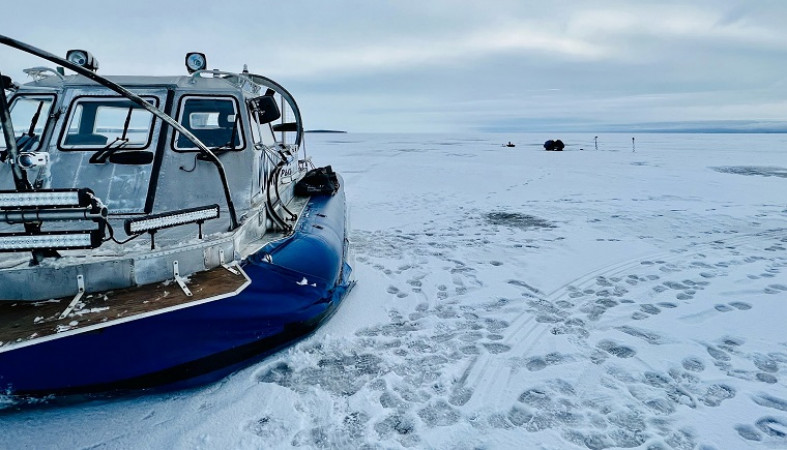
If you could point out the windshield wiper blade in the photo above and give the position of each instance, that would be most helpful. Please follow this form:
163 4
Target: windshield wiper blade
27 140
234 134
101 155
230 145
126 123
34 120
221 149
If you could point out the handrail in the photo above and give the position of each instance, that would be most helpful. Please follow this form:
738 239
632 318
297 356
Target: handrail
260 80
265 81
141 102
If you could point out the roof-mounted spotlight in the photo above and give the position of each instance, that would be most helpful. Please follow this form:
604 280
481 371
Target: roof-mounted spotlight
82 58
196 61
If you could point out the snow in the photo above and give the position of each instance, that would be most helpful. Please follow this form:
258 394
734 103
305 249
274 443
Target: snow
513 298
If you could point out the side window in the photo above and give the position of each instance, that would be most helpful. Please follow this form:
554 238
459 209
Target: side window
95 122
213 120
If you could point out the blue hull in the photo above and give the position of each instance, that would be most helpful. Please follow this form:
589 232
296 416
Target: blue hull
287 298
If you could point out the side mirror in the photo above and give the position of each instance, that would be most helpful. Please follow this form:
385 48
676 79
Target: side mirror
264 108
131 157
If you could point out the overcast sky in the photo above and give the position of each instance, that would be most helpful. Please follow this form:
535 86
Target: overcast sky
448 66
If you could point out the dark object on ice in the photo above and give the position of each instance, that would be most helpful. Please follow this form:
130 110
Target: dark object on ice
556 145
510 144
322 180
517 220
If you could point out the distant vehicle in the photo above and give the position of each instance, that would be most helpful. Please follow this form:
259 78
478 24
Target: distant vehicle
554 146
510 144
157 230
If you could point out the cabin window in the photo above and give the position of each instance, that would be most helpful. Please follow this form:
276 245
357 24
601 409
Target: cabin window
98 122
29 115
213 120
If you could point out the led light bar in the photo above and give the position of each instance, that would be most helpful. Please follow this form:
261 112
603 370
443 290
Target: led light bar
49 198
12 242
171 219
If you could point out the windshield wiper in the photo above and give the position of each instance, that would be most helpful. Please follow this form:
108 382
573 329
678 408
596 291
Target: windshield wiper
234 134
101 156
27 140
230 145
34 120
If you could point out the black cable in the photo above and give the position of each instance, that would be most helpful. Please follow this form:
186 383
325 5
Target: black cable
112 235
275 217
293 216
275 180
196 156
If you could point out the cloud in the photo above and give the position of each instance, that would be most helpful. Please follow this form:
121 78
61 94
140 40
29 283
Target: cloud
413 53
449 65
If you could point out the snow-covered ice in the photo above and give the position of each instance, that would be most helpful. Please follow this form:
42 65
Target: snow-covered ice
513 298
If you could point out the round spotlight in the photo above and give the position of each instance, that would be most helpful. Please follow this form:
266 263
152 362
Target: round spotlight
30 160
78 57
82 58
195 61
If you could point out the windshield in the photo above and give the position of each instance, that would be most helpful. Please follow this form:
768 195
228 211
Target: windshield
95 122
29 115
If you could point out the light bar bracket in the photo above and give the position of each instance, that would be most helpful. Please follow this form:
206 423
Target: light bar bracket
77 298
225 265
181 282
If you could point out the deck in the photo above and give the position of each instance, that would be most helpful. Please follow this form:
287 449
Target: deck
28 321
23 322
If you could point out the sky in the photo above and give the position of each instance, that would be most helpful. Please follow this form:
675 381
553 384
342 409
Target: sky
452 66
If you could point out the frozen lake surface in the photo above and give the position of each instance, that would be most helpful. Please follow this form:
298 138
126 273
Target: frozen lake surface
513 298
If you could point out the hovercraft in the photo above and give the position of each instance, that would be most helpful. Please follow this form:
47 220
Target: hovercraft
151 232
